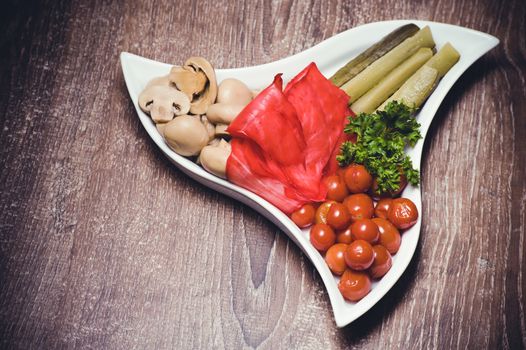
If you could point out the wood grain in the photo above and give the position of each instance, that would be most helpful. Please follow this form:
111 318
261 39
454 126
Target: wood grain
104 244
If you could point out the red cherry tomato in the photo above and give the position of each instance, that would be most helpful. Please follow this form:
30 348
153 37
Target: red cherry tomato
354 285
389 235
365 229
335 258
357 178
322 237
336 189
338 216
402 213
304 216
341 173
344 236
382 262
321 213
360 206
381 208
359 255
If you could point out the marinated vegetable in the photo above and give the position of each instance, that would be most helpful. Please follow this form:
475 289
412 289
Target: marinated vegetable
403 213
336 189
306 119
382 262
344 236
360 206
163 102
322 237
444 59
338 216
421 84
389 235
322 211
416 89
304 216
388 85
186 135
371 75
365 229
354 285
357 178
213 158
359 255
381 208
356 65
335 258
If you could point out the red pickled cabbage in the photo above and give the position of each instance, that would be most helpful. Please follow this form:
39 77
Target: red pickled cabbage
285 142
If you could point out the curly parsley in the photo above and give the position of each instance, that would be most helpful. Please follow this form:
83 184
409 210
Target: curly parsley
381 139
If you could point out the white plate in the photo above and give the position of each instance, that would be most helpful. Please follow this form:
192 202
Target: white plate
329 55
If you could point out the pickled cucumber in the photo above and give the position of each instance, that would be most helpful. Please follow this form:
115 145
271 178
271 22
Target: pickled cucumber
416 89
360 62
388 85
444 59
420 85
370 76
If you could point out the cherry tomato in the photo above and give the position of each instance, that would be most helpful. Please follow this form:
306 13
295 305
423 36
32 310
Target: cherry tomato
304 216
338 216
402 213
382 262
344 236
357 178
389 235
381 208
336 189
335 258
341 173
322 237
354 285
365 229
321 212
376 195
360 206
359 255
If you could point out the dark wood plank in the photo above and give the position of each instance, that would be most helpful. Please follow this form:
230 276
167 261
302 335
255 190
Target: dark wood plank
104 244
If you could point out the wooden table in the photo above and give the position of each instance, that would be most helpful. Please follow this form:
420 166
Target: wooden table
105 244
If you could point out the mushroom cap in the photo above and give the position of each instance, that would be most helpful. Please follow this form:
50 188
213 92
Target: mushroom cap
214 158
186 135
197 79
188 80
163 103
233 91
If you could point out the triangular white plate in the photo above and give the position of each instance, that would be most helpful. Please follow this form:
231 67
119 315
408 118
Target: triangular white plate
329 55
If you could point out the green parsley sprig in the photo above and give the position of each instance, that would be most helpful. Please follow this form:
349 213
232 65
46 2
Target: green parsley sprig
381 139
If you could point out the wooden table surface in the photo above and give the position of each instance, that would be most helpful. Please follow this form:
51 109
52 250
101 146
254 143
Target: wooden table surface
105 244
